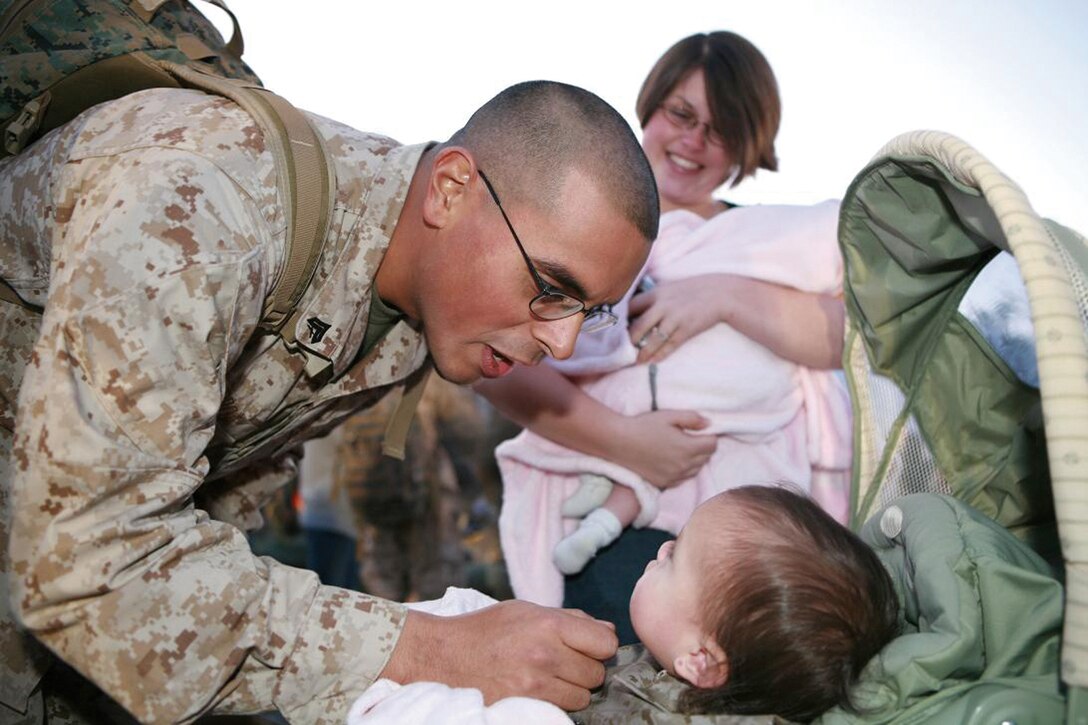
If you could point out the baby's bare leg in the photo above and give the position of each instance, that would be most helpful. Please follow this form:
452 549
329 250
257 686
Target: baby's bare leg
624 505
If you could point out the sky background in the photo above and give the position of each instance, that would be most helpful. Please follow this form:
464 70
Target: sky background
1010 78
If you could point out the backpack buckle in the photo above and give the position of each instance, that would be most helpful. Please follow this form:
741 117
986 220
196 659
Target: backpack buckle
26 124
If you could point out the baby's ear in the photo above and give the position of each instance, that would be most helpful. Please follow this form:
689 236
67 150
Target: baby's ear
706 667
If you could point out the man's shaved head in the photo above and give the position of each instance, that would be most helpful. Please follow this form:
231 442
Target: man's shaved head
530 136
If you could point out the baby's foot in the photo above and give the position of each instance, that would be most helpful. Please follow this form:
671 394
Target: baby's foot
596 531
591 493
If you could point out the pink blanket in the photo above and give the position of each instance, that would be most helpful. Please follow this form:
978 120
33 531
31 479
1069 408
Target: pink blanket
774 420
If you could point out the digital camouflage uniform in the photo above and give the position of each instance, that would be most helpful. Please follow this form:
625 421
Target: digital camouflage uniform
637 690
409 514
154 419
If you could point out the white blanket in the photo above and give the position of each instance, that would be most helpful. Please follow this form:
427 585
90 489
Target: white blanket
432 703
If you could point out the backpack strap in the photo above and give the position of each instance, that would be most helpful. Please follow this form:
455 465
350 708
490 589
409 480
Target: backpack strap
105 80
96 43
306 179
146 9
395 439
8 294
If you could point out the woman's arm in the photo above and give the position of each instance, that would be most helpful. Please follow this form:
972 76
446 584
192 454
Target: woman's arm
655 445
801 327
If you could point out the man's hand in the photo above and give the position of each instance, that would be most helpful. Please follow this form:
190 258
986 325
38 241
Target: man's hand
509 649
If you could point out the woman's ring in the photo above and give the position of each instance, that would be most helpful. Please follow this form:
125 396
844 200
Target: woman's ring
645 339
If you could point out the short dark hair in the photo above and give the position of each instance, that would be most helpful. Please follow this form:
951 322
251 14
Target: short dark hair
799 606
531 135
741 90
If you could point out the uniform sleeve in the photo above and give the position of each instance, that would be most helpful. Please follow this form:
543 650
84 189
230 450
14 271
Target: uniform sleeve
158 279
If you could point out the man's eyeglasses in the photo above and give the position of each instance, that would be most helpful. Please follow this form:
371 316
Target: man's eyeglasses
683 117
551 303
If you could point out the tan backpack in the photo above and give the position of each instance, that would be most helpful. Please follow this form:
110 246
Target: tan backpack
60 57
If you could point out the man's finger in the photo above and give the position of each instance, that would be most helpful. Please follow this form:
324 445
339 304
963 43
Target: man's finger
579 613
589 637
583 672
564 695
583 615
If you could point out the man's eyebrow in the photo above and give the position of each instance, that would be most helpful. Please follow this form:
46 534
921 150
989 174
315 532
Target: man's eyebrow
563 277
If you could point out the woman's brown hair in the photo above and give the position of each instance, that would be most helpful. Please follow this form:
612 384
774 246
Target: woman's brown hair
740 88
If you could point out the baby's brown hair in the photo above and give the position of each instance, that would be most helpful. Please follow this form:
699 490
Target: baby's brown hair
799 605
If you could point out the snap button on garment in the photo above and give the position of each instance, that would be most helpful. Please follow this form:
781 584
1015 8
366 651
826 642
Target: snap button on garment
891 521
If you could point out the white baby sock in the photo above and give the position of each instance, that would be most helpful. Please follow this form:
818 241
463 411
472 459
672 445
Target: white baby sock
592 491
596 531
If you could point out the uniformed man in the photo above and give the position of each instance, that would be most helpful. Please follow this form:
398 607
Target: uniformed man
144 417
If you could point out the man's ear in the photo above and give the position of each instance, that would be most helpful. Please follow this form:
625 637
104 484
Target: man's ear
705 667
447 185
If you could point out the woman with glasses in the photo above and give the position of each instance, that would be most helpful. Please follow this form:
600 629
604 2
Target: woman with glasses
718 374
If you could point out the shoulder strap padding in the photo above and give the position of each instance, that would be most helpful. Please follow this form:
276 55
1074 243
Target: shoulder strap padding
93 84
305 179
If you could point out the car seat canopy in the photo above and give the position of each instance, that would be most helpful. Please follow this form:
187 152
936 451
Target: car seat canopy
943 405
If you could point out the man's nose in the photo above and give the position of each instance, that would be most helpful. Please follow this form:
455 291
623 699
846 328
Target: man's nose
558 336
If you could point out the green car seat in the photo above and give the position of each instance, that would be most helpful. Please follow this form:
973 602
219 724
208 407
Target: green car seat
971 381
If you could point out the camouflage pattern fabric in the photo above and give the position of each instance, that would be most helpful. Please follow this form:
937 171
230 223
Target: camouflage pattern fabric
409 513
73 34
637 690
178 17
150 232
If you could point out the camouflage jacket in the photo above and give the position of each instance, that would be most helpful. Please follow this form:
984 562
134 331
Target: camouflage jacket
154 418
637 690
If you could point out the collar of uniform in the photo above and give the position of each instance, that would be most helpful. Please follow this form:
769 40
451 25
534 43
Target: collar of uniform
654 686
342 303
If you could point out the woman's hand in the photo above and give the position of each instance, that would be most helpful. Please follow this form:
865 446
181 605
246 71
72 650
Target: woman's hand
671 313
657 446
660 447
802 327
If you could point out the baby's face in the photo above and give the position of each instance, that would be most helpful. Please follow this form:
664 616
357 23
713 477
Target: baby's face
666 606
